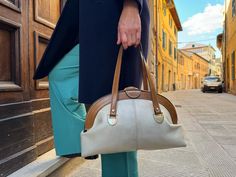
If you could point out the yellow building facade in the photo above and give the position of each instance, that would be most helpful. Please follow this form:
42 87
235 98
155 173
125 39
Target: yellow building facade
185 70
182 58
205 51
192 68
165 25
172 68
200 70
227 43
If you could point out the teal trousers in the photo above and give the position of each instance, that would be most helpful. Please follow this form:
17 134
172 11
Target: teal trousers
68 117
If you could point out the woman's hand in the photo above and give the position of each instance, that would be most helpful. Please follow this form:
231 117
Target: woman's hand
129 27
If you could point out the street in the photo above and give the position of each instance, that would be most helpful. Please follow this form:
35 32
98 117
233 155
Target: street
209 121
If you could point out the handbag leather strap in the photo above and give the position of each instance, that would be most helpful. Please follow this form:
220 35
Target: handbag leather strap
144 73
150 80
145 83
146 78
115 86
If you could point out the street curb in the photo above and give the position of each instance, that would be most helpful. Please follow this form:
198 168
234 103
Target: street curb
42 166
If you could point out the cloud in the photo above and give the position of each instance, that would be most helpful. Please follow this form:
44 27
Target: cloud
208 21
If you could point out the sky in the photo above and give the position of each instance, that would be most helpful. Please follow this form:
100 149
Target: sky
202 21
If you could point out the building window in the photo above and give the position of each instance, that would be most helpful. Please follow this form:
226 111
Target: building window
163 39
170 48
181 60
175 31
164 7
198 66
175 53
233 65
233 8
170 21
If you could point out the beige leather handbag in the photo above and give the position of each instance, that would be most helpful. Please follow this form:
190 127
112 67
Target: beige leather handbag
131 119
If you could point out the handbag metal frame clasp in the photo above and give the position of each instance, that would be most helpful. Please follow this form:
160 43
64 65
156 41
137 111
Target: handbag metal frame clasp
159 118
112 120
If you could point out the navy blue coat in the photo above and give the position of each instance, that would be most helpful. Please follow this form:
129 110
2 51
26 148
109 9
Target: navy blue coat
93 24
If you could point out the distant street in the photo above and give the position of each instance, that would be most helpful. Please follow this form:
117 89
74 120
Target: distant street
209 120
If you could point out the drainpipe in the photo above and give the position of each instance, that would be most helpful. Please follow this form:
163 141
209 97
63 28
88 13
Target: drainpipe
157 45
225 55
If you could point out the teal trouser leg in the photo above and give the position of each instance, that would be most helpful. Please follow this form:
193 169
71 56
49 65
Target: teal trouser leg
68 115
120 165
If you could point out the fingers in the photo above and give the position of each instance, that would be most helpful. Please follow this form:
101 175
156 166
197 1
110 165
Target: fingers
129 27
128 37
132 39
118 38
124 40
138 37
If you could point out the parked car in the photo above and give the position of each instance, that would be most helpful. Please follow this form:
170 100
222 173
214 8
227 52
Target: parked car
213 83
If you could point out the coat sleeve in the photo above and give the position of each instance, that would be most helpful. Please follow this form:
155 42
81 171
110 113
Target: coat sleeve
63 39
140 5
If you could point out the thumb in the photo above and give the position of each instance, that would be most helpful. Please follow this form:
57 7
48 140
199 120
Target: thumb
118 38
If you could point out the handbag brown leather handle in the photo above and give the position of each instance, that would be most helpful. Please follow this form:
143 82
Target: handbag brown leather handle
147 77
150 80
144 73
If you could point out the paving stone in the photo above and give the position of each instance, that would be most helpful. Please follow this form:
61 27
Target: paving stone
231 128
192 127
177 157
222 122
231 149
207 117
228 140
213 156
94 164
212 126
218 131
160 169
222 109
201 111
86 172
